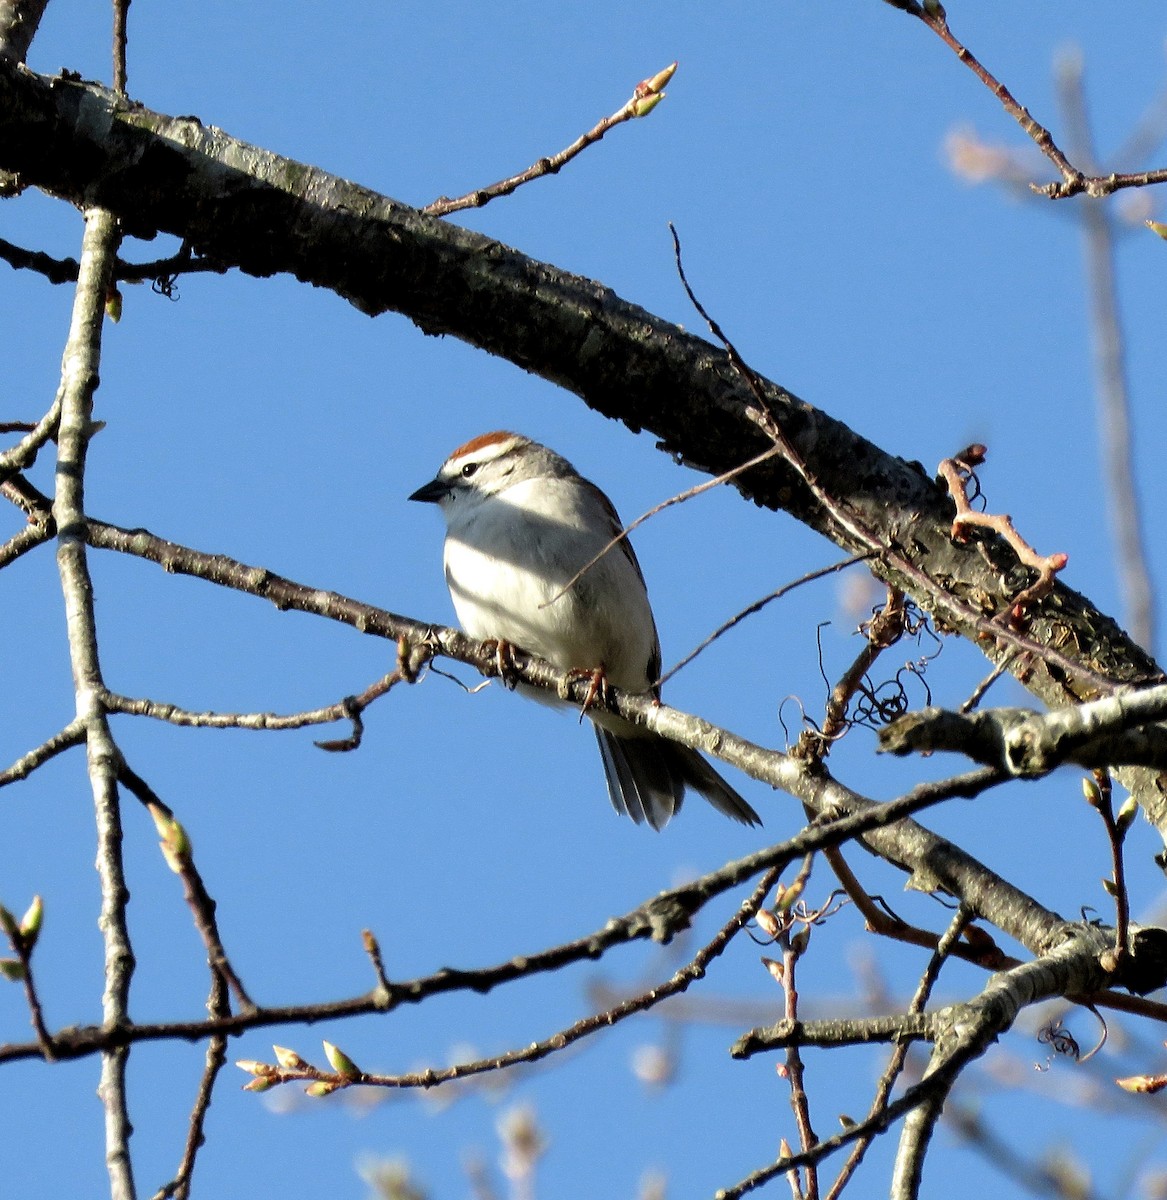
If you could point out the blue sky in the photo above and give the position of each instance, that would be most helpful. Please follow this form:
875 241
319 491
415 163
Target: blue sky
800 155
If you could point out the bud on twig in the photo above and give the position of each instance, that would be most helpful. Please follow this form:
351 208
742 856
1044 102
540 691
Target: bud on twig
288 1059
30 923
340 1062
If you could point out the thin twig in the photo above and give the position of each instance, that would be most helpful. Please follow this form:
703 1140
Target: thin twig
24 540
895 1066
978 693
1100 797
23 454
757 606
373 950
72 735
678 983
22 937
679 498
1074 181
181 861
347 709
661 918
881 632
214 1062
161 271
121 12
647 94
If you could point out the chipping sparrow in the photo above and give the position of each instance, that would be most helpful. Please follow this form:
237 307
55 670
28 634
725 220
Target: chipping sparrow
521 522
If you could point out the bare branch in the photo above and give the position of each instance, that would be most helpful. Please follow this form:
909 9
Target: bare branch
79 377
645 97
72 735
1075 181
586 1027
179 856
1117 730
757 606
121 12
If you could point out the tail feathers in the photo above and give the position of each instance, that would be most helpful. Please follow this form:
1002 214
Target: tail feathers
647 778
704 780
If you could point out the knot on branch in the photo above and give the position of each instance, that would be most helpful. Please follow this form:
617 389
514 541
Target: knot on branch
1144 969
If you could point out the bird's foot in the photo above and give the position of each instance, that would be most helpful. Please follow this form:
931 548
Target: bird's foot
504 662
597 687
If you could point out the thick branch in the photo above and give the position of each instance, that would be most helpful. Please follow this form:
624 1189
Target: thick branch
1115 731
967 1030
19 20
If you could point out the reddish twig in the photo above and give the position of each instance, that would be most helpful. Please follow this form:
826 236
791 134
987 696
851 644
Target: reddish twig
1099 795
646 96
22 937
848 523
957 472
1074 181
176 849
944 947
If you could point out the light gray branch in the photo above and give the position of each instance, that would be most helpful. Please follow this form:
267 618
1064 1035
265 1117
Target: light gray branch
72 735
895 1029
79 379
1119 730
965 1032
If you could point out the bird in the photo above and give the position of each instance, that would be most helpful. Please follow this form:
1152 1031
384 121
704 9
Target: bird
521 526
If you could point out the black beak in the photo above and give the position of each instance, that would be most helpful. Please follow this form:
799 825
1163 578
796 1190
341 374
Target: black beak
432 492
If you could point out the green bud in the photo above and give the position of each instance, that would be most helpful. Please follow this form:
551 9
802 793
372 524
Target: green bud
12 968
340 1062
643 105
1127 814
321 1088
30 923
789 895
660 80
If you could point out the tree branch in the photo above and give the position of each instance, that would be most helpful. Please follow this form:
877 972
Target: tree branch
79 378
